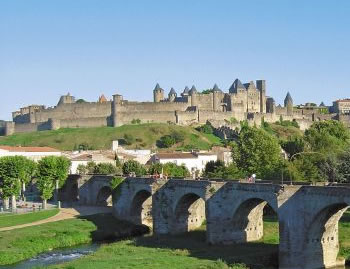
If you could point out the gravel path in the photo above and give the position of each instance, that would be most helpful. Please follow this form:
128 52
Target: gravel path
65 213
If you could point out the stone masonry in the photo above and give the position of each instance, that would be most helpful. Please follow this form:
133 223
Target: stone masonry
246 101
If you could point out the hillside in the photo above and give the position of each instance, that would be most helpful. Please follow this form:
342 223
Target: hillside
144 136
283 132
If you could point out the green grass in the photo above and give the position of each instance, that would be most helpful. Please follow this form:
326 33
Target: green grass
146 136
27 242
8 220
284 132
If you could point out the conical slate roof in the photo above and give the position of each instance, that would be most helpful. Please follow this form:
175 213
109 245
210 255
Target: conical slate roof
186 90
288 98
172 91
216 88
193 90
236 85
157 87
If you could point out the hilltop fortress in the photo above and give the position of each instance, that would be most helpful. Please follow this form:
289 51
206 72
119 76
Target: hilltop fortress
246 101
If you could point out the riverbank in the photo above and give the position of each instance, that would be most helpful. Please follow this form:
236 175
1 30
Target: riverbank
28 242
10 220
191 251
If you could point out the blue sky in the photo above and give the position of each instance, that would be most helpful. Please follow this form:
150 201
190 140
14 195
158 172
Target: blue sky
87 47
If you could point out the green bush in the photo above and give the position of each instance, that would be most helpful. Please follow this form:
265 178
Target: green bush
166 141
132 166
206 128
129 139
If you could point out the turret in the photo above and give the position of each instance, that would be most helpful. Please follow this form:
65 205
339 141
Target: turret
66 99
185 92
270 105
261 86
216 97
288 103
194 98
117 102
172 95
158 94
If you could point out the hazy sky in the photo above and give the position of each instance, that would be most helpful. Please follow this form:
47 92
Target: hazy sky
48 48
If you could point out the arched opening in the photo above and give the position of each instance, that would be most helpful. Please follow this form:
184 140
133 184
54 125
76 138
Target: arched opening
104 197
249 219
189 213
141 208
321 245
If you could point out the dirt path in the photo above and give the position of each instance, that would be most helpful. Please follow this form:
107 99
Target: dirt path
65 213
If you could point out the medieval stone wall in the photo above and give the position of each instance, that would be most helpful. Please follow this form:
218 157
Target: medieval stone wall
75 111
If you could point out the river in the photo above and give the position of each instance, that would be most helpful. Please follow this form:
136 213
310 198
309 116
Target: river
54 257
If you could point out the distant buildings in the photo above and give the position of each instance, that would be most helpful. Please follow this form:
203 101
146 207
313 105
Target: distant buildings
33 153
192 161
341 106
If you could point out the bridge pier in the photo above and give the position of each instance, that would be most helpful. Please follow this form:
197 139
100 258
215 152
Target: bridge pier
179 205
235 212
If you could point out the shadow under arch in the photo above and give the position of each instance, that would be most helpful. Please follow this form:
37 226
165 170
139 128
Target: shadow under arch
141 208
189 213
104 196
321 243
247 221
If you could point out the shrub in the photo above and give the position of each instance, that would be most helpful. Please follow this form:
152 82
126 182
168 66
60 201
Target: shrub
129 139
206 128
166 141
132 166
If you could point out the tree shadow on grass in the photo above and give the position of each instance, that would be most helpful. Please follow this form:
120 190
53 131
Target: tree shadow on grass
256 255
109 229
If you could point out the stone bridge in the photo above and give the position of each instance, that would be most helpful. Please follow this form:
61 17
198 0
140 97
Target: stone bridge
308 216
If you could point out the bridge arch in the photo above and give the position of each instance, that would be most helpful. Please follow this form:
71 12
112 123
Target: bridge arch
141 208
247 222
321 242
189 213
104 196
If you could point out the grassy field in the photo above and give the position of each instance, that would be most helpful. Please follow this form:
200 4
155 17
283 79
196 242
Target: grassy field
188 250
28 242
145 136
18 219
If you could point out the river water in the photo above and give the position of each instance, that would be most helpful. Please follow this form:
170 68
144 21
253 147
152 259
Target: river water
63 255
55 257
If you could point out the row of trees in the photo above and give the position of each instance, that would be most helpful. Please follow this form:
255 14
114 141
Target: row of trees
134 167
16 172
322 153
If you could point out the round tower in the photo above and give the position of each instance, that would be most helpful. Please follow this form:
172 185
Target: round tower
9 128
194 96
288 104
216 98
117 102
172 95
158 94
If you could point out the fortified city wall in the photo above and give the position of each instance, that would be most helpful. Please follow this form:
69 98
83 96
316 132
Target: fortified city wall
246 101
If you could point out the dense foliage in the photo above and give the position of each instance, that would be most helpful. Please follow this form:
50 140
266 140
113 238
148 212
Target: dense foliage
51 170
133 167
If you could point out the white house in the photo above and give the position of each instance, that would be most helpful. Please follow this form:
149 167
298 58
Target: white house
193 161
78 158
33 153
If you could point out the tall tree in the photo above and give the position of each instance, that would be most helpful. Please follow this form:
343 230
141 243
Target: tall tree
11 170
256 151
52 173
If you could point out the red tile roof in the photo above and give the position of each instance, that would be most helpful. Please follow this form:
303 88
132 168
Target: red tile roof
28 149
176 155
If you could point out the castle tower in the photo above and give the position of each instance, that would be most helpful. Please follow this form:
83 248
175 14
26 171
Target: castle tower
194 96
66 99
9 128
117 102
288 103
216 98
261 86
185 92
158 94
270 105
172 95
